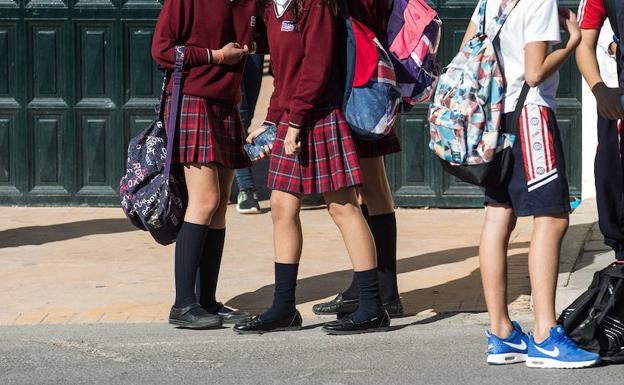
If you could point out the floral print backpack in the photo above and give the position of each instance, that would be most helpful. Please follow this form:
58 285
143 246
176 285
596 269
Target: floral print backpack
467 110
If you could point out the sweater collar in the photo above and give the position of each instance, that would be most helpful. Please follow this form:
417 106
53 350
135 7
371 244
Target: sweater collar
281 6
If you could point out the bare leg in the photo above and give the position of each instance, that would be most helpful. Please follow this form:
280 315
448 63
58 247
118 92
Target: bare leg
548 232
226 177
202 182
287 235
499 223
345 211
376 192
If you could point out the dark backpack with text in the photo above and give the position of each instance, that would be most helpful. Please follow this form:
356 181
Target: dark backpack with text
152 196
595 320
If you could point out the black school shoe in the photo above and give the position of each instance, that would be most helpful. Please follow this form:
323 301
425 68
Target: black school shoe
347 325
336 306
341 307
258 326
185 319
231 316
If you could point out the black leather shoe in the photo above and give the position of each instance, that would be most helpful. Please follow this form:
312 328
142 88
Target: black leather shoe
185 319
338 305
258 326
394 309
347 325
231 316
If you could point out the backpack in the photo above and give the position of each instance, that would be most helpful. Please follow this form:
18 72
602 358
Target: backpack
414 31
595 320
466 114
371 99
152 197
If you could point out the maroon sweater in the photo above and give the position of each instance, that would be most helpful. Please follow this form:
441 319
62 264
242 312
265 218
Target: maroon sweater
202 24
301 57
372 13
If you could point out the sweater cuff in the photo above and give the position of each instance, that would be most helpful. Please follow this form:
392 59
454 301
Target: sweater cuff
296 119
273 117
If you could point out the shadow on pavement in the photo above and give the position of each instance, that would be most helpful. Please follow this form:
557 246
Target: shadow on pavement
39 235
452 297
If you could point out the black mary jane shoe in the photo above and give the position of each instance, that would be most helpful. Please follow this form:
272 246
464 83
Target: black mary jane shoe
185 319
338 305
347 325
258 326
394 309
231 316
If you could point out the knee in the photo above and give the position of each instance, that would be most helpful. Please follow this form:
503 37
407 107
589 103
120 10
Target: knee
342 213
282 211
204 209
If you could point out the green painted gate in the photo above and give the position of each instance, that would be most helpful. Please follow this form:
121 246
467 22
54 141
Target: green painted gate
417 179
77 81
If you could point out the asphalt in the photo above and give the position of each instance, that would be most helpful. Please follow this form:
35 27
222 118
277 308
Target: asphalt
426 351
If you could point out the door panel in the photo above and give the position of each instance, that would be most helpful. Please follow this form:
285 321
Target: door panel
76 81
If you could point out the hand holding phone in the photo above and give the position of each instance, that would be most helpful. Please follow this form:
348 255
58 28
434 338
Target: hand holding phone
262 144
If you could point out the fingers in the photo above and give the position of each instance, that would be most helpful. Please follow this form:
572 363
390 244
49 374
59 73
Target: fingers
254 134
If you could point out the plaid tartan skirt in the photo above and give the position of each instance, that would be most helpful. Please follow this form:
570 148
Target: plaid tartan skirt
387 145
209 132
328 160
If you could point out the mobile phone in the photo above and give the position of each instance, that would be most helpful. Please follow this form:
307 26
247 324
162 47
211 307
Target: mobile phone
267 138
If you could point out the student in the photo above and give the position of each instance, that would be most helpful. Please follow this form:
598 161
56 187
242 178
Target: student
247 200
536 185
209 141
375 195
609 171
314 153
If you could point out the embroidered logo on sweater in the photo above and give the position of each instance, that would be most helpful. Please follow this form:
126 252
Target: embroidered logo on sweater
252 23
289 26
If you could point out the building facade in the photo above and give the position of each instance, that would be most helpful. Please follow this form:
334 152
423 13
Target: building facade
77 82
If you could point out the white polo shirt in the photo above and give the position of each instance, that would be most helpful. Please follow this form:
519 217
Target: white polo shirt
530 21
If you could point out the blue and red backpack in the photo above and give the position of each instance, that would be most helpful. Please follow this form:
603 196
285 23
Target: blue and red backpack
371 98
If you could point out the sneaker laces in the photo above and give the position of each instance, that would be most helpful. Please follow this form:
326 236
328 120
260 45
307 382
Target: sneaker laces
568 342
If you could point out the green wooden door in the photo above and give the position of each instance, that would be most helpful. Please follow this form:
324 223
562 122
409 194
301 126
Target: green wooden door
417 179
76 82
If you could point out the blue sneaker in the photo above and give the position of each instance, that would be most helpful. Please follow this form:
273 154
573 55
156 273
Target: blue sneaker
510 350
559 351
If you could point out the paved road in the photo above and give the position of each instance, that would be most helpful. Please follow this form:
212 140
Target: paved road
449 351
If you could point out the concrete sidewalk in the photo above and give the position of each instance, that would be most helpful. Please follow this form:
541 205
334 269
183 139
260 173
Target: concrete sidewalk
86 265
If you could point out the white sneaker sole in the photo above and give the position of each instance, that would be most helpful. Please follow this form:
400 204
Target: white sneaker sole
549 363
252 210
505 359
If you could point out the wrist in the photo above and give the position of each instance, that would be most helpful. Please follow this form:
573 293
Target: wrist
598 89
574 40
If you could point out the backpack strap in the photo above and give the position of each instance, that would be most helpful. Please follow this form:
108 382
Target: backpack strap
175 106
503 13
514 129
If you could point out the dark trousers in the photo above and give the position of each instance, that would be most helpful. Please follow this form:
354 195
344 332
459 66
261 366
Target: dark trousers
250 90
609 173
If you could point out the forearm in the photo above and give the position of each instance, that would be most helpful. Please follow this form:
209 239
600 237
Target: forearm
551 64
588 64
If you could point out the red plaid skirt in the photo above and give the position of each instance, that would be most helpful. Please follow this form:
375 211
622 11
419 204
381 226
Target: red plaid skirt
328 160
209 133
387 145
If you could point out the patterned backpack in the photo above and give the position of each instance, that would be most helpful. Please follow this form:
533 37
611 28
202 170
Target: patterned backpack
152 197
466 113
414 31
371 99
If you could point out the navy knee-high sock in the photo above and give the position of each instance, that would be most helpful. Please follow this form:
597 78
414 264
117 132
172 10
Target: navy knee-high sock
284 298
209 267
188 251
370 302
384 230
353 290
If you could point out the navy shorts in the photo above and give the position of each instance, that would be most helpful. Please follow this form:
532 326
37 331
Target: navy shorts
537 183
